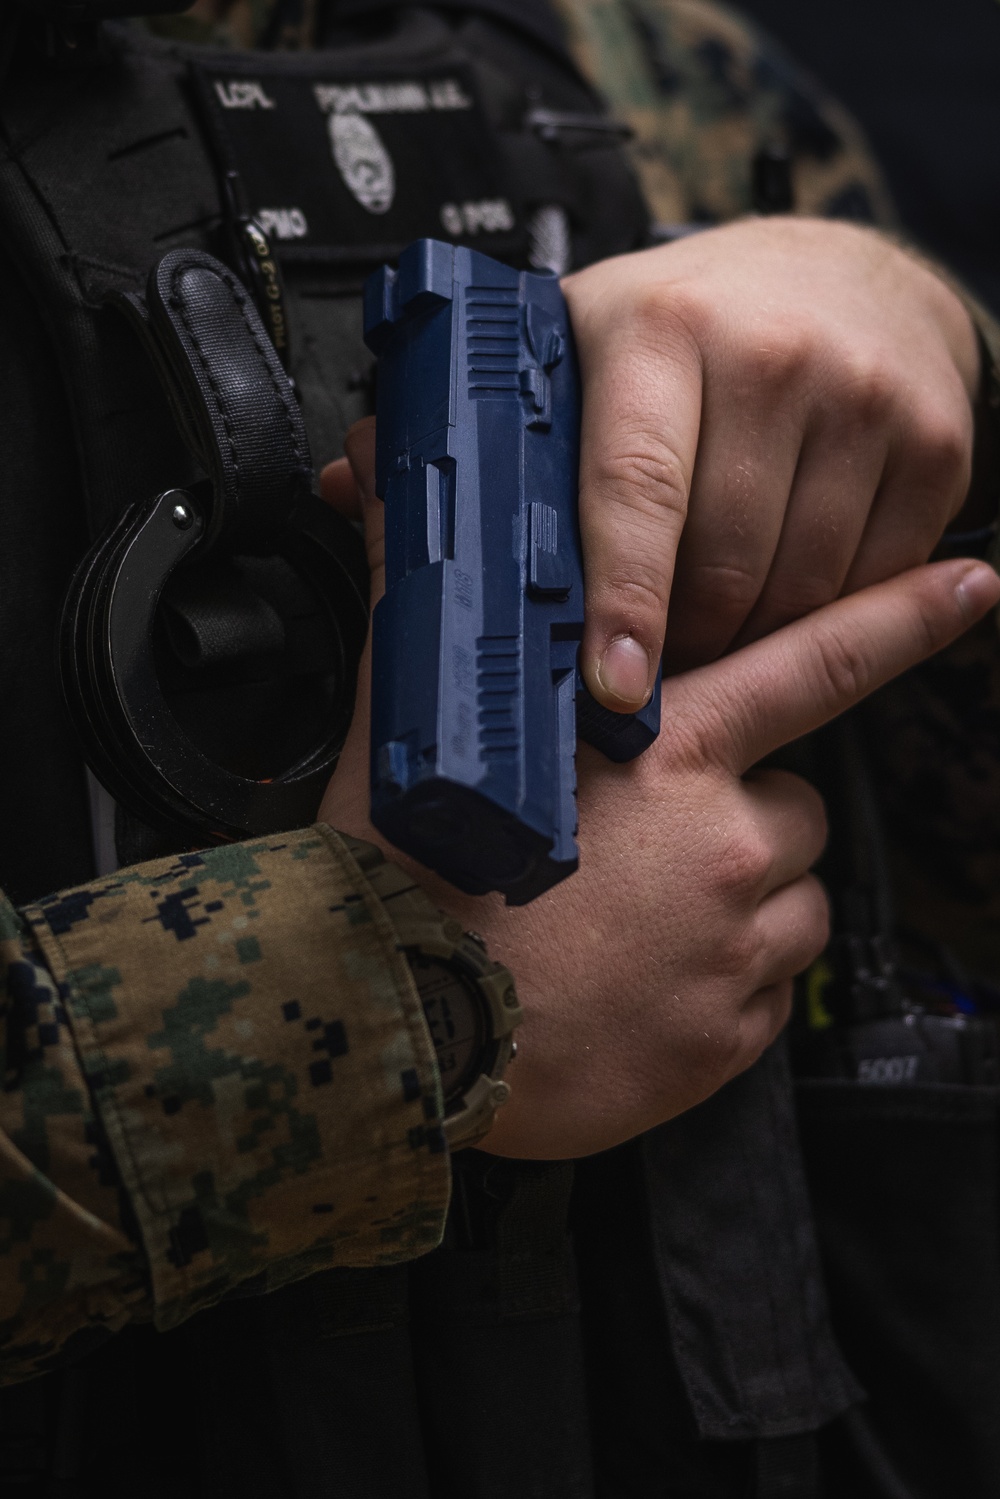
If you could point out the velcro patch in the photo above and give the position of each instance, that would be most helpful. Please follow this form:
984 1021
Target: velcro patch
342 166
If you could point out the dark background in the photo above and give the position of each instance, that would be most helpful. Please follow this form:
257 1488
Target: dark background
923 78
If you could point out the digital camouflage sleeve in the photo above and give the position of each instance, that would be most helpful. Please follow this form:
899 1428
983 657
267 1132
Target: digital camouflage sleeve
215 1068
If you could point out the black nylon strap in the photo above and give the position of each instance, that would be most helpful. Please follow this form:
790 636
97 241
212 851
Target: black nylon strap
738 1264
535 1278
228 392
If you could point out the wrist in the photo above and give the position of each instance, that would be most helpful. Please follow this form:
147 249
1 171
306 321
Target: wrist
469 1003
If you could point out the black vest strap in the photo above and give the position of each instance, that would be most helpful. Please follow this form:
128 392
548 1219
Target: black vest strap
738 1263
228 393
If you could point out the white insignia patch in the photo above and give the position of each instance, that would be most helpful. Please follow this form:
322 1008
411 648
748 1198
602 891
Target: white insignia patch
407 97
481 216
245 95
283 223
362 161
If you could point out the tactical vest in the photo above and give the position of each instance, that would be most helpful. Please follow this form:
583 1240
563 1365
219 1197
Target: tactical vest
650 1322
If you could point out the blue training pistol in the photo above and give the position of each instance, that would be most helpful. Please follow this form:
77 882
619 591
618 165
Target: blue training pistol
476 695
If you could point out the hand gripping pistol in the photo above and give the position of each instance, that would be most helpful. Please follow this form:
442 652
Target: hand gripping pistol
476 695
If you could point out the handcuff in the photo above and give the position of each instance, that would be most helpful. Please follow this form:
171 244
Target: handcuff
470 1003
237 413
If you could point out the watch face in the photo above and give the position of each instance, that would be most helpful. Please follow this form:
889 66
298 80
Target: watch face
454 1014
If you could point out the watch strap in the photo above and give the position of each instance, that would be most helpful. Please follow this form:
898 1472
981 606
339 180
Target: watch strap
421 926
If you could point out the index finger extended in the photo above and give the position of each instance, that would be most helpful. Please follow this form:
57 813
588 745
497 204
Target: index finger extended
769 693
642 392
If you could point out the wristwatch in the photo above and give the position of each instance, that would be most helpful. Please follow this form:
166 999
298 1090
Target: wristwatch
470 1003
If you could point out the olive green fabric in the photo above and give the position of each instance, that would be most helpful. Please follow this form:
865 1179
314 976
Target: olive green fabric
235 1038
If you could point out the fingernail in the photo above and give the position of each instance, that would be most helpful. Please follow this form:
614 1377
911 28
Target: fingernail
978 591
623 671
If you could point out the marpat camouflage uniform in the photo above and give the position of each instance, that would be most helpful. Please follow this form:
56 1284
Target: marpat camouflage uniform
703 92
216 1069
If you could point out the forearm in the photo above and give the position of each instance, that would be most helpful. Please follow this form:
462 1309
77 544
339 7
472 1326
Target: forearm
217 1068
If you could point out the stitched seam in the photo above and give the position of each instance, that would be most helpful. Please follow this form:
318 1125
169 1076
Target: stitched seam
412 1014
178 300
275 386
110 1095
383 926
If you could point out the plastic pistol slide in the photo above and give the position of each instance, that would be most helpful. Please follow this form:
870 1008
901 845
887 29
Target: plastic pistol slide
476 696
